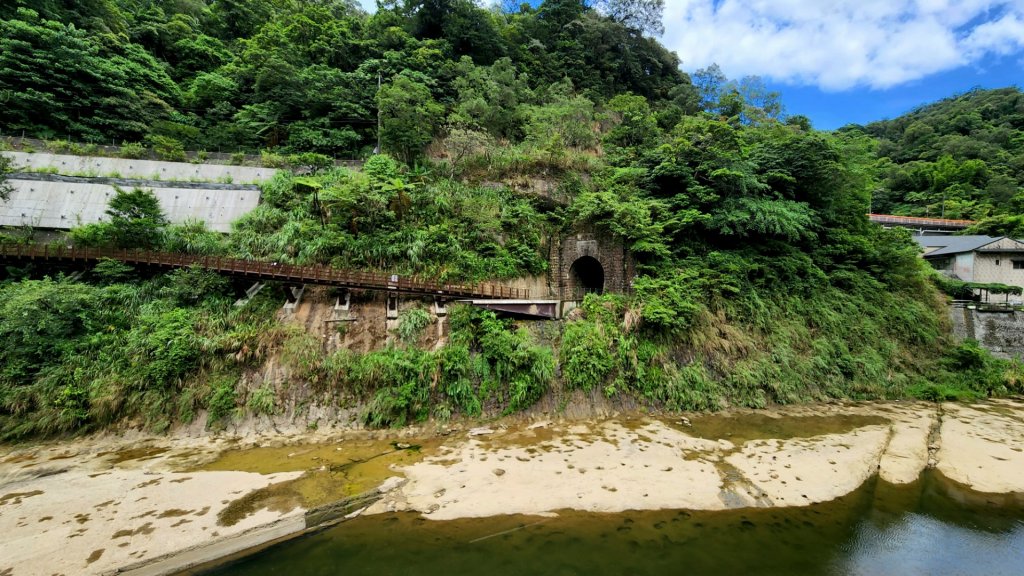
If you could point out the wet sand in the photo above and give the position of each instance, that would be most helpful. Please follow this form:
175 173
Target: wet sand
99 504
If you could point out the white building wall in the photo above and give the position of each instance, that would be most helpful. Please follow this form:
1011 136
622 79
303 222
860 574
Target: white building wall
998 268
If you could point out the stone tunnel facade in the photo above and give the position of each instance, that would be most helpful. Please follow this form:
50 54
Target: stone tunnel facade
589 262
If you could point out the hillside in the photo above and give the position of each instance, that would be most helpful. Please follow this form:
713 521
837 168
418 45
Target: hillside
962 157
757 278
303 76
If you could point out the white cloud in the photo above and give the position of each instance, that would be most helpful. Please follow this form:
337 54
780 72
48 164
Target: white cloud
839 44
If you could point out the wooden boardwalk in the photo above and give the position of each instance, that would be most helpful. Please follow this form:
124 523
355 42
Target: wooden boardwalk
320 275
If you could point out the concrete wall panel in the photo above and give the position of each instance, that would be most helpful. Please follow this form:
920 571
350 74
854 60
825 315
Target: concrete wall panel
147 169
61 205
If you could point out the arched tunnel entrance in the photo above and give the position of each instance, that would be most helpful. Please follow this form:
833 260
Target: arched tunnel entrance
586 276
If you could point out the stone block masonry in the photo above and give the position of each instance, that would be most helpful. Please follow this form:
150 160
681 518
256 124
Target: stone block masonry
589 262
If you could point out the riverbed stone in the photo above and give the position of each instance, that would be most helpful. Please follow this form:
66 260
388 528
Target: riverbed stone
906 455
982 446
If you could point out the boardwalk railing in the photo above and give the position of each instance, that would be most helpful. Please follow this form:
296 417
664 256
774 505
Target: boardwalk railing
322 275
916 221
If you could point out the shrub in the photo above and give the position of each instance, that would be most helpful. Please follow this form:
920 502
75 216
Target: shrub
310 161
92 235
166 148
270 159
402 379
381 167
192 237
263 401
132 150
58 146
222 404
411 324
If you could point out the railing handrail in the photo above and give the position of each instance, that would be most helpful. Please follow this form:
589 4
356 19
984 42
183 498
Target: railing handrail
309 274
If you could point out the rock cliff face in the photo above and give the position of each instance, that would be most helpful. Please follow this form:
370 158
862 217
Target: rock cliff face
1001 333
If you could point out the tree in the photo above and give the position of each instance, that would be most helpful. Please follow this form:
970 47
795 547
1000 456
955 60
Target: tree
408 114
6 167
759 103
642 15
136 219
469 29
56 80
461 143
636 127
710 82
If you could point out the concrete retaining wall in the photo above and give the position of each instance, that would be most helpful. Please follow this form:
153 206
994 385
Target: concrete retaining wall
147 169
63 205
1001 333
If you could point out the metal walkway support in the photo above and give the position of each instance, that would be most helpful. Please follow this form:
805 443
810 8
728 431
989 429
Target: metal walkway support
544 309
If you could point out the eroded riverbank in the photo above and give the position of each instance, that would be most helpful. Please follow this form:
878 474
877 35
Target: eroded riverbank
96 505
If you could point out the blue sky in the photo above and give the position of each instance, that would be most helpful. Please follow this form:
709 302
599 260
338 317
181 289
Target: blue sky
830 110
853 61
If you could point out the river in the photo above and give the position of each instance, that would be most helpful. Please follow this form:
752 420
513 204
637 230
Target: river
929 527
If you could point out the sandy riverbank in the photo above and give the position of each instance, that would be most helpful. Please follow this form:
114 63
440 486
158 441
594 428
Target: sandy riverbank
95 505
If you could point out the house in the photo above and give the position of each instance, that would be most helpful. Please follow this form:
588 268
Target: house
981 259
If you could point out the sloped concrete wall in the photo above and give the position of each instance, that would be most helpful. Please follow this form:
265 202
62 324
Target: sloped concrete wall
147 169
63 205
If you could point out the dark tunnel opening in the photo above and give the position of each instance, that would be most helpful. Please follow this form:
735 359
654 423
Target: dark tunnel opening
587 276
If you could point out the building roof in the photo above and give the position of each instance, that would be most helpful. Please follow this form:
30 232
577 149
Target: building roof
950 245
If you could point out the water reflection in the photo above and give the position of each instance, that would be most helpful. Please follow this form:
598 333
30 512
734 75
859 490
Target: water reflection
932 527
936 527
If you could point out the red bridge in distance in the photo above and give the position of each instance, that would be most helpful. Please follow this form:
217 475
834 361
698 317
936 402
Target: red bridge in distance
922 225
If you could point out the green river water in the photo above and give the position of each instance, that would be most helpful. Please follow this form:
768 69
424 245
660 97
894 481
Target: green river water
929 528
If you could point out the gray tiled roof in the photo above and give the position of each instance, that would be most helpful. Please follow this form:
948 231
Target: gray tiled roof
954 244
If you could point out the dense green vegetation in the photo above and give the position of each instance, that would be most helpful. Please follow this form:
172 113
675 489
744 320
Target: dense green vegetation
759 278
962 157
84 354
232 74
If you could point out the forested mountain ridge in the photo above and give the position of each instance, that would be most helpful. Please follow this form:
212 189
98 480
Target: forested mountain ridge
962 157
303 75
